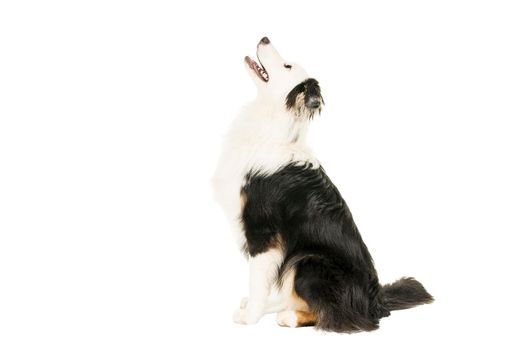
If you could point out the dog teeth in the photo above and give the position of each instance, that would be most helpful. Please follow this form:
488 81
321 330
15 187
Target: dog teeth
261 71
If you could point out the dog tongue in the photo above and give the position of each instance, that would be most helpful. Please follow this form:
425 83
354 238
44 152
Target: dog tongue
261 72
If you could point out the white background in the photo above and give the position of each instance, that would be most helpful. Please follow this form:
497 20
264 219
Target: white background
111 116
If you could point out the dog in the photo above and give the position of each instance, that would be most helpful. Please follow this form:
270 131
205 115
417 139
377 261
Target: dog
307 260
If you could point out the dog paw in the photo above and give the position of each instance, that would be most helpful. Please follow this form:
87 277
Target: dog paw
242 316
287 319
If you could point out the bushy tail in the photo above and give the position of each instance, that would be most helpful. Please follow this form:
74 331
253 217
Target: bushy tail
404 294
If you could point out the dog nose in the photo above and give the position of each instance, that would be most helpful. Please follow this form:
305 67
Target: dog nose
264 41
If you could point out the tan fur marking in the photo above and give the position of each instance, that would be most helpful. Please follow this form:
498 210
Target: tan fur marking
299 105
305 319
243 200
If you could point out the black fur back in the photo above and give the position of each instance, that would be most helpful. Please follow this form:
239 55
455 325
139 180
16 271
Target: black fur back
299 207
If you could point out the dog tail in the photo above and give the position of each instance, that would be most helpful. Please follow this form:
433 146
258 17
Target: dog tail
405 293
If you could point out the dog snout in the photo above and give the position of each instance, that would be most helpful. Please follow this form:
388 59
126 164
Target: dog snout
264 41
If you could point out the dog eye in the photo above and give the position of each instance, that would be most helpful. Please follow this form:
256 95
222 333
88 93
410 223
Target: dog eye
287 66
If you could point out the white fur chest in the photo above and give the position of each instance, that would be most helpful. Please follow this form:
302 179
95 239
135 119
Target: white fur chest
256 141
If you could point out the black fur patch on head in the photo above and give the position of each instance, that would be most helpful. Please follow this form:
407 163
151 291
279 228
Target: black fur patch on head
305 99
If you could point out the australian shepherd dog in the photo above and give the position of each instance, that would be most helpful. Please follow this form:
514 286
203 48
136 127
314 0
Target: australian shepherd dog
307 260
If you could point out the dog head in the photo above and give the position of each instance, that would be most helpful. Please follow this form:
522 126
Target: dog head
284 82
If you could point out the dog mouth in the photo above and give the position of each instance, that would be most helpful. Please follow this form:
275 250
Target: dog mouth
258 69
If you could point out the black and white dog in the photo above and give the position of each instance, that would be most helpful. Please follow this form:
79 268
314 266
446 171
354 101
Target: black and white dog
307 259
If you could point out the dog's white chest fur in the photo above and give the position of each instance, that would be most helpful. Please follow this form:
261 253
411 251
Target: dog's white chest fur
260 139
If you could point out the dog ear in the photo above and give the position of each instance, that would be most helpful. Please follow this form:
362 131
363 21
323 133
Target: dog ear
311 92
312 96
291 98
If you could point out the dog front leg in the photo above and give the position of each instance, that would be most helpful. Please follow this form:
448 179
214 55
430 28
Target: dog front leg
263 272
